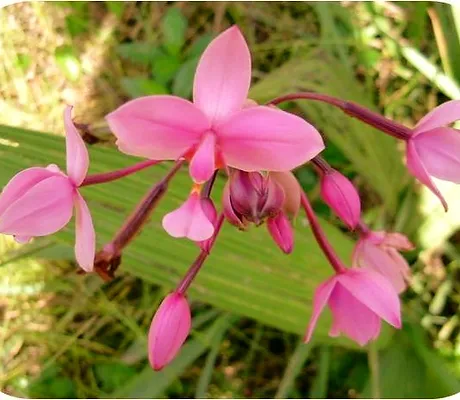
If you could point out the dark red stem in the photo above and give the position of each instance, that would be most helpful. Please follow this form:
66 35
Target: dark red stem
142 211
120 173
321 238
370 117
199 261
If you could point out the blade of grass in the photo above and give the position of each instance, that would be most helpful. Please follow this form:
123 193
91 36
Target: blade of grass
293 369
208 369
319 386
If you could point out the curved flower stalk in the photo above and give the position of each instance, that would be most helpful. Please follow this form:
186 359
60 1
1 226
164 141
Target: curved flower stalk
432 146
220 128
379 251
40 201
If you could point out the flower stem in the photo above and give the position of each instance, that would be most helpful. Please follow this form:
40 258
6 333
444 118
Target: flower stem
373 360
199 261
369 117
328 251
113 175
142 211
209 185
322 165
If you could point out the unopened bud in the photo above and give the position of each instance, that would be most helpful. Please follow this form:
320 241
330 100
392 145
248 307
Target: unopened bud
231 215
342 197
281 231
292 192
255 196
169 329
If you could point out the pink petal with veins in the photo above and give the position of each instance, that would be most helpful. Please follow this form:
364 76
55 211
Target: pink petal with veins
158 127
439 151
21 183
416 168
203 162
442 115
265 138
322 294
223 76
77 154
85 237
352 318
42 209
375 292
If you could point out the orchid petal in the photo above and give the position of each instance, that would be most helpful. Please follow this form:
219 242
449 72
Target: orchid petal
442 115
189 220
85 237
77 154
417 169
377 259
439 151
375 292
157 127
203 162
265 138
21 183
352 318
43 209
322 294
223 76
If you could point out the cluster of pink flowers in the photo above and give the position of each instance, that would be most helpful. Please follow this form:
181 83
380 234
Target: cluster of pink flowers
257 147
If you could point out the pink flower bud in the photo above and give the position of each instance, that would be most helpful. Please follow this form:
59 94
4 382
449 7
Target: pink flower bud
281 231
341 196
169 329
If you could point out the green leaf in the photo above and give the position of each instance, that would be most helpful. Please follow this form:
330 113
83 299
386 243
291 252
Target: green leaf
165 67
246 274
68 62
409 369
183 82
173 27
112 376
24 61
137 87
116 7
76 25
199 45
139 52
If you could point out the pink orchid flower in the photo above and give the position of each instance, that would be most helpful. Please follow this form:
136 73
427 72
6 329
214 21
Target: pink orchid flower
434 148
169 329
40 201
218 129
379 251
359 299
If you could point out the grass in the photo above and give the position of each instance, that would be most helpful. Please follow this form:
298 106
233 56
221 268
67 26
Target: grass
67 336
